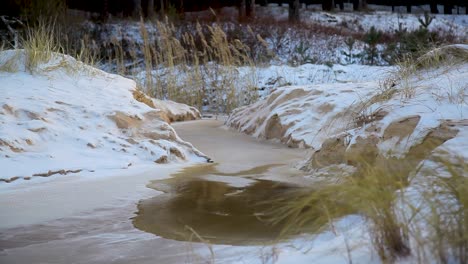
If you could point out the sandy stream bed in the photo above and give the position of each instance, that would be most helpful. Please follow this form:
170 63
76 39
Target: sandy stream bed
74 219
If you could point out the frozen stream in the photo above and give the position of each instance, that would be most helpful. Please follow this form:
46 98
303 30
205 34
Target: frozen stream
90 220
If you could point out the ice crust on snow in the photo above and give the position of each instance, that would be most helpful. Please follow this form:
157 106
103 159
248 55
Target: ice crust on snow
65 115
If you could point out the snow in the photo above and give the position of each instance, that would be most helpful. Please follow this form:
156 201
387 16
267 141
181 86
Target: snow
382 18
347 242
68 116
389 22
436 94
64 115
267 79
439 95
308 115
274 76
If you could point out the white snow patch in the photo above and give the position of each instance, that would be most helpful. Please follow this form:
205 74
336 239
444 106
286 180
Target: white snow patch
313 113
59 117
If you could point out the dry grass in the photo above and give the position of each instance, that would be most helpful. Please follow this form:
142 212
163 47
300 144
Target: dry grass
193 257
402 81
196 68
40 43
441 207
444 56
409 213
10 64
371 193
43 41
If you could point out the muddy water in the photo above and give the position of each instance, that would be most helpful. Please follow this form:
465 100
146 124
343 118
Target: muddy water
229 202
202 204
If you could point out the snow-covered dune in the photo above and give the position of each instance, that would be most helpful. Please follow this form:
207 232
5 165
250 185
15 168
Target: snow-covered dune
301 116
423 104
65 117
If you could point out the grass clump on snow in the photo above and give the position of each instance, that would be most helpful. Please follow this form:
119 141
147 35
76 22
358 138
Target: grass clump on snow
40 43
371 193
443 56
409 215
197 68
439 207
401 82
9 64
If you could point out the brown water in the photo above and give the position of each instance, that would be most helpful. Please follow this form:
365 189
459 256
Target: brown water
203 204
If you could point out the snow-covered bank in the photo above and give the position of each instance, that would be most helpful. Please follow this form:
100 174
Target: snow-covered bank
308 108
94 222
389 116
66 117
399 145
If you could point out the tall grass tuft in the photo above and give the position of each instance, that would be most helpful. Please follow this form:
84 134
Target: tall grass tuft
45 38
40 43
441 208
422 213
197 67
374 193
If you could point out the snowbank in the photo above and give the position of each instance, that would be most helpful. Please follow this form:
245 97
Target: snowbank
418 105
65 117
303 115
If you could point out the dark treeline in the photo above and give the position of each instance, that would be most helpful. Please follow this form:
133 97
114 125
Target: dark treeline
246 7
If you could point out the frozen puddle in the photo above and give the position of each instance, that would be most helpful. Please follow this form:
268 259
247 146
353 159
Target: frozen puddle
201 204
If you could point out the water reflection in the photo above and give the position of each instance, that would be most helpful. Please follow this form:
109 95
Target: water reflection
217 211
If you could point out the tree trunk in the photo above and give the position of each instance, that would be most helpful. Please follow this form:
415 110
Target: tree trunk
294 6
448 9
341 4
150 8
181 9
136 8
161 7
252 9
327 5
355 5
105 10
363 4
433 5
242 7
408 8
